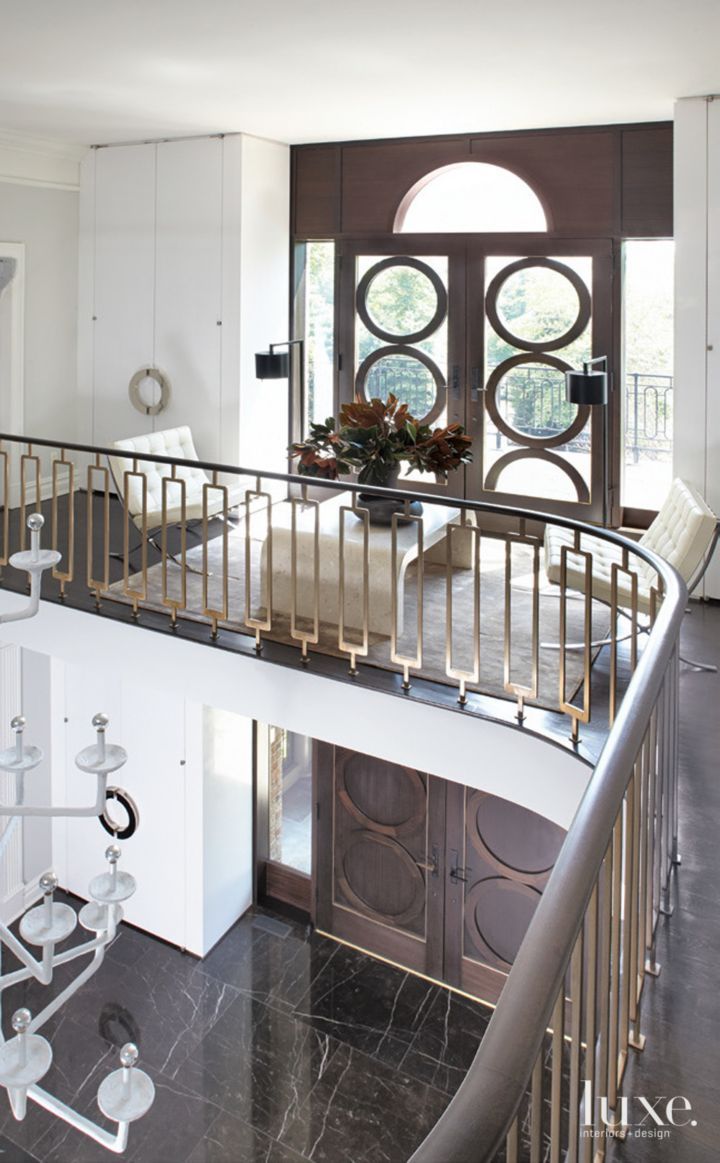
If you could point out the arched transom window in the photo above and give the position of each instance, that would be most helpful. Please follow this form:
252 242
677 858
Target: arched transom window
470 198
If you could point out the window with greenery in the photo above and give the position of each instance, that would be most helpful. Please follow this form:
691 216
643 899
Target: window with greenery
647 372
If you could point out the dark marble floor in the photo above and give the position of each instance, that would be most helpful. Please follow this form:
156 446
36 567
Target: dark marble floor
278 1047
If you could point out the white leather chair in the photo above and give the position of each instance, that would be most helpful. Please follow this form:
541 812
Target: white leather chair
176 443
685 533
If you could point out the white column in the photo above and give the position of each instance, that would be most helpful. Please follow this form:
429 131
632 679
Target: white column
11 861
697 303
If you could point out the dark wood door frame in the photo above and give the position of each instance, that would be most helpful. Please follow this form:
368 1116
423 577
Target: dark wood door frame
466 343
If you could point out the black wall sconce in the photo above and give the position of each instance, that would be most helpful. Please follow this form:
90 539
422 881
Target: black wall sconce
277 365
588 387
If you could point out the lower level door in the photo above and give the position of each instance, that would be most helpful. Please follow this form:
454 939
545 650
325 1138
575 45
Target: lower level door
380 857
437 877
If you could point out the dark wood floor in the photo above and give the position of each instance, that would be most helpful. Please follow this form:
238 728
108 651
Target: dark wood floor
681 1009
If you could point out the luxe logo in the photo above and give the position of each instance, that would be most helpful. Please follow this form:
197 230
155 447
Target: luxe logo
656 1114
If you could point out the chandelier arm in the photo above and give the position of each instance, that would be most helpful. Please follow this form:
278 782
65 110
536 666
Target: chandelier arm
35 967
96 809
88 972
116 1142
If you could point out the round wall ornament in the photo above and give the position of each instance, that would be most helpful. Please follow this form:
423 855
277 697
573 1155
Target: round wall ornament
151 373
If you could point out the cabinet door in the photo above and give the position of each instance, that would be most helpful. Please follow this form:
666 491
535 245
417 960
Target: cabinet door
124 278
145 723
380 857
188 337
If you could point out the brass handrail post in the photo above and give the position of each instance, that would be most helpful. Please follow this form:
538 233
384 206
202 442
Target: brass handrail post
66 575
214 614
522 691
354 649
304 637
256 623
415 660
135 595
463 675
174 604
97 585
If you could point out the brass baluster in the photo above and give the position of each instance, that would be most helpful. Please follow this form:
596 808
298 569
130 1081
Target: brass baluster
28 459
413 660
305 637
215 615
99 585
576 1017
636 1039
522 691
58 466
4 556
537 1109
590 999
578 714
354 649
174 604
255 623
614 1066
135 595
462 675
511 1143
556 1082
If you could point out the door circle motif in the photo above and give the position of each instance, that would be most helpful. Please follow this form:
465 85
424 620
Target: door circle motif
514 434
578 284
364 287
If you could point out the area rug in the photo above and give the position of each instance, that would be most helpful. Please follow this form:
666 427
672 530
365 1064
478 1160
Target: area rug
492 616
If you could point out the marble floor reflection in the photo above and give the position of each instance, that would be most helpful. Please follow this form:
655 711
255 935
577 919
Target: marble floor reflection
279 1047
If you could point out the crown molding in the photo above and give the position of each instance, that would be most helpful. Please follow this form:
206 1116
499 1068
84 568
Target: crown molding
35 161
22 143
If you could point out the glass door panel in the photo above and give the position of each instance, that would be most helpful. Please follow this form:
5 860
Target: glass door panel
401 318
532 318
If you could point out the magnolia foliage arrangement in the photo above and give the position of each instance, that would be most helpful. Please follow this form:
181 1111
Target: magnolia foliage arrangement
374 438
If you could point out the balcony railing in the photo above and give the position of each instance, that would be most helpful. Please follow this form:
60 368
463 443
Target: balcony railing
276 568
443 597
532 399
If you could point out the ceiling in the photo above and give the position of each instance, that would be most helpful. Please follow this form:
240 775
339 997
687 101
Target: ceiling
95 71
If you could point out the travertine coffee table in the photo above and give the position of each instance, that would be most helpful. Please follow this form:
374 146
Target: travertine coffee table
435 519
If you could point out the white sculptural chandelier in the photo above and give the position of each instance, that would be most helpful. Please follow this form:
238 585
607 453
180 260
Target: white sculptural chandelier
128 1093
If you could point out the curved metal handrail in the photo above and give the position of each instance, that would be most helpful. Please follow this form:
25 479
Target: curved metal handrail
343 486
473 1126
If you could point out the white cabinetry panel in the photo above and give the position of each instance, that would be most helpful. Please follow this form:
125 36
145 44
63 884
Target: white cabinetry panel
149 725
188 339
124 285
712 494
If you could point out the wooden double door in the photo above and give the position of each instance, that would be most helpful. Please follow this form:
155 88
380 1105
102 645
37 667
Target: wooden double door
429 874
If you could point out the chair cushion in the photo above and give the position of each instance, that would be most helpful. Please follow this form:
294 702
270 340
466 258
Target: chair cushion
604 556
682 530
177 443
681 534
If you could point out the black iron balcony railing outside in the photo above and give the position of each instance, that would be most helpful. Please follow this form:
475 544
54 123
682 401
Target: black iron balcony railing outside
532 400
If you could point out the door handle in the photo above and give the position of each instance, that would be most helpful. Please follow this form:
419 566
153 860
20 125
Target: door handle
432 866
458 872
475 385
455 380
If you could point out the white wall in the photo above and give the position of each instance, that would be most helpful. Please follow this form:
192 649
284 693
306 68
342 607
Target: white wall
697 303
45 220
189 770
492 756
264 298
183 267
